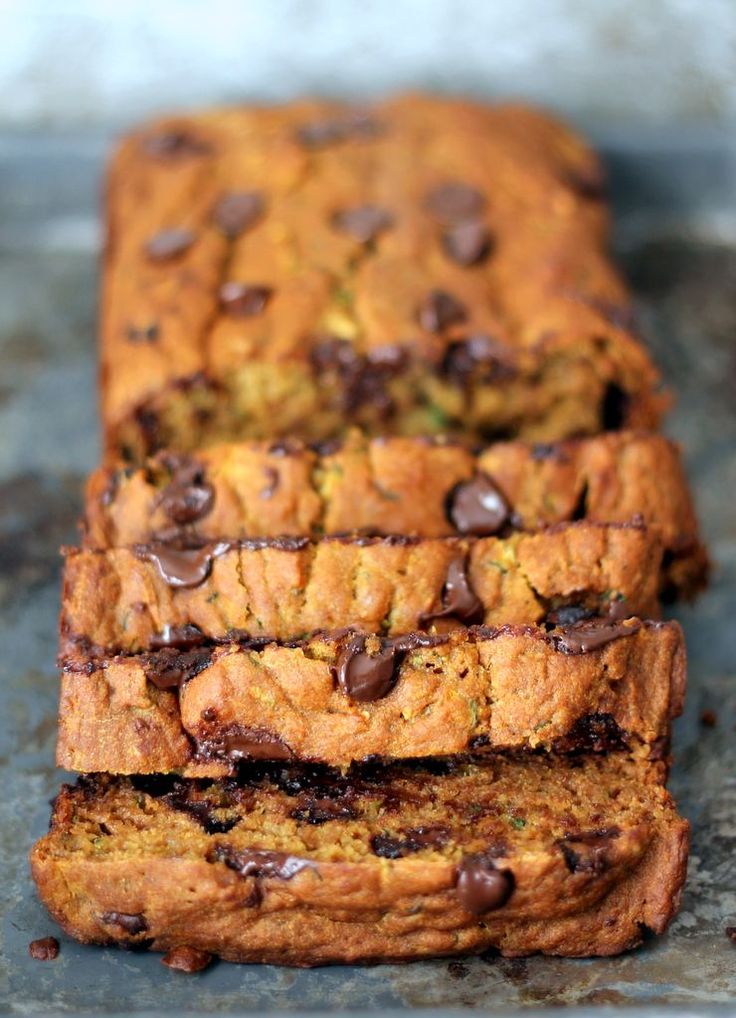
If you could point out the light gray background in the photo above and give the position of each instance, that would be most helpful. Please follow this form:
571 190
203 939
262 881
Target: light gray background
624 62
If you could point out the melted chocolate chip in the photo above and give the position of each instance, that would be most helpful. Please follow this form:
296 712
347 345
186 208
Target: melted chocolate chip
590 634
588 852
236 212
186 959
478 355
132 923
389 846
362 676
179 637
593 733
45 949
168 669
459 600
188 497
454 202
169 244
254 862
478 507
142 333
238 742
481 887
181 567
439 310
568 615
244 300
362 379
467 243
175 144
363 223
321 811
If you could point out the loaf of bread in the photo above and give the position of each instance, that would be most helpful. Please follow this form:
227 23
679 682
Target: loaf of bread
427 265
592 685
412 487
126 600
302 866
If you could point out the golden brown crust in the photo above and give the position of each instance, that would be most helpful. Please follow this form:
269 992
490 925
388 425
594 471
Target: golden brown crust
338 321
510 688
118 600
581 870
402 486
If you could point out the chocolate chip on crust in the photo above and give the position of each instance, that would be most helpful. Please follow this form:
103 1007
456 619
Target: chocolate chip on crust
363 223
481 887
478 507
244 300
363 676
467 243
439 310
132 923
459 600
168 244
237 211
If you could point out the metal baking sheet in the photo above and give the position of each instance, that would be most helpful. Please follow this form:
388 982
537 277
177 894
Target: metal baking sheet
676 236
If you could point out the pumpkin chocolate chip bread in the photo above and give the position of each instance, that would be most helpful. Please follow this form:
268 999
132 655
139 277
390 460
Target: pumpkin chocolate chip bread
428 265
142 598
409 486
303 866
592 685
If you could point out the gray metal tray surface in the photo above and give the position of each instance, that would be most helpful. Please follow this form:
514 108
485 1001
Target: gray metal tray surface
676 237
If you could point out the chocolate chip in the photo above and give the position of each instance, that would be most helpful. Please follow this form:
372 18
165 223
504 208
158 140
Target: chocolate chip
237 211
478 507
272 483
454 202
169 668
362 676
588 635
481 887
186 959
363 223
180 637
415 839
321 133
321 811
478 353
254 862
168 244
361 379
244 300
175 144
588 852
45 949
132 923
439 310
142 333
467 243
180 567
593 733
459 600
568 615
238 742
187 497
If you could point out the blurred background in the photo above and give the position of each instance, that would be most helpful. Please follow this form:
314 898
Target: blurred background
623 63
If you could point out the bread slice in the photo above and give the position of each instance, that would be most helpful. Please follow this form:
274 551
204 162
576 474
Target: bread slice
413 487
433 264
302 866
338 698
136 599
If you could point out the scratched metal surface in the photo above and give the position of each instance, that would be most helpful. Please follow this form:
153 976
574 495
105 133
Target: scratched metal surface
677 240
